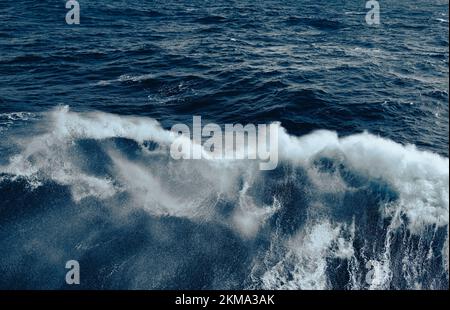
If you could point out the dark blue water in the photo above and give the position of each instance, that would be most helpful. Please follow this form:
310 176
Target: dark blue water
85 173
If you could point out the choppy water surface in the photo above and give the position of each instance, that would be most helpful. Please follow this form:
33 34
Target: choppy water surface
359 199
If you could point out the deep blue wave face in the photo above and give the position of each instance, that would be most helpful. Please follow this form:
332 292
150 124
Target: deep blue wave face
359 198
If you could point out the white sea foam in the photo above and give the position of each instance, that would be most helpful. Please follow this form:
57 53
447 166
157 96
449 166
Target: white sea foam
305 263
13 116
248 217
442 20
421 178
125 78
8 119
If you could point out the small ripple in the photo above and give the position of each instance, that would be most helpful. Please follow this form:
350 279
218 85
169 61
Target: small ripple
211 19
319 23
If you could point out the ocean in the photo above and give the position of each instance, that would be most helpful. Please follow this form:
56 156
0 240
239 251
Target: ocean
359 198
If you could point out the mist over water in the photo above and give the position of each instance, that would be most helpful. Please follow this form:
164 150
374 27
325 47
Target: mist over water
359 199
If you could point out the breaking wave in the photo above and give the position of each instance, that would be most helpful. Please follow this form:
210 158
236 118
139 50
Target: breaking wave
354 212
